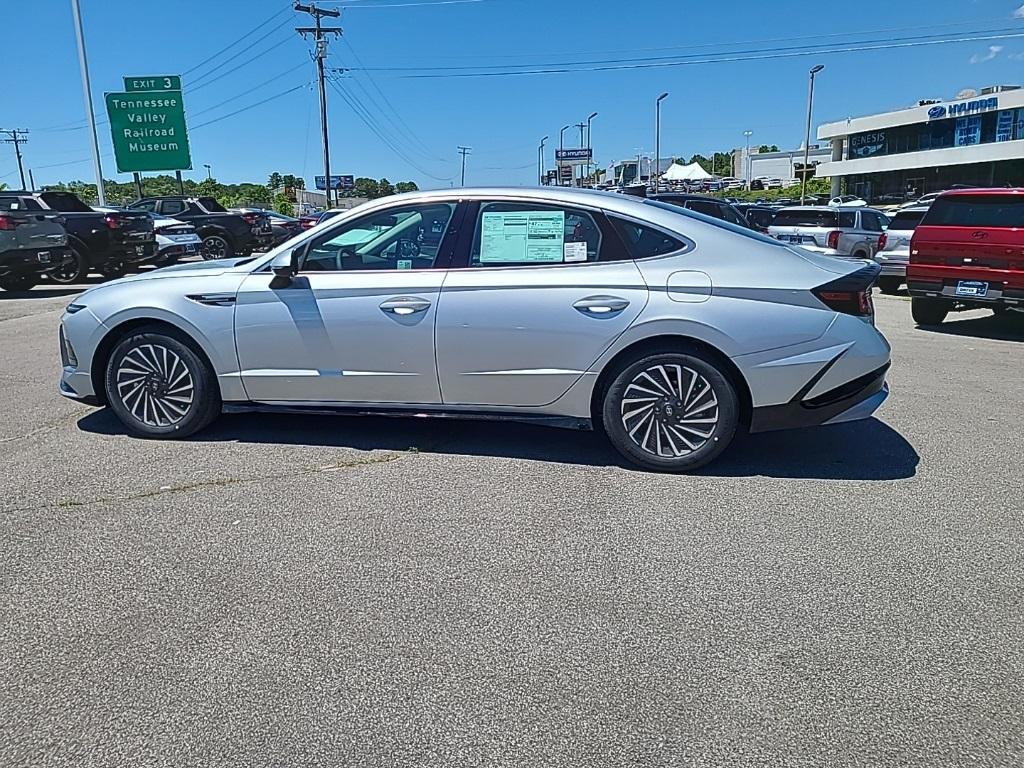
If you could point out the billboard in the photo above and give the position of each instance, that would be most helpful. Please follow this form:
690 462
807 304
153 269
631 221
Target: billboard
337 182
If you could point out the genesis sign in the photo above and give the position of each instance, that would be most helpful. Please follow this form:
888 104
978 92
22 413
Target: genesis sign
962 108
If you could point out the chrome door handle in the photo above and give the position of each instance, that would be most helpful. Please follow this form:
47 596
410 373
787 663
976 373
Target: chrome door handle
405 305
600 305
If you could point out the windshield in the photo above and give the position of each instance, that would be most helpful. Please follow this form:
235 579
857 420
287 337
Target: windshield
906 220
721 224
65 202
976 211
805 217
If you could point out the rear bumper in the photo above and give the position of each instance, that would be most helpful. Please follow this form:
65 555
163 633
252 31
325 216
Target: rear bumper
998 293
33 261
853 400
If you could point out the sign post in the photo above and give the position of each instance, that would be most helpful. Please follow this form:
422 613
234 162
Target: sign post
147 125
567 159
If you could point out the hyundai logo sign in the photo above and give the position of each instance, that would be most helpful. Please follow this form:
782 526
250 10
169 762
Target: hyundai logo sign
960 108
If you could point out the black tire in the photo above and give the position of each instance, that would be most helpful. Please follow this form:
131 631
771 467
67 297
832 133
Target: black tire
114 269
890 285
72 271
927 311
19 282
689 443
154 358
216 246
999 309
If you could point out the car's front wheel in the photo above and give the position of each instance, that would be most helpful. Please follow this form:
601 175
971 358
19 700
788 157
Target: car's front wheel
670 411
72 270
926 311
159 386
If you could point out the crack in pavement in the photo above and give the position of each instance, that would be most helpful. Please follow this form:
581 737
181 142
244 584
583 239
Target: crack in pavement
214 483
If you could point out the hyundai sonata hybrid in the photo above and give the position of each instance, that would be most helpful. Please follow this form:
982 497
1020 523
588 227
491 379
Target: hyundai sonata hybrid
665 329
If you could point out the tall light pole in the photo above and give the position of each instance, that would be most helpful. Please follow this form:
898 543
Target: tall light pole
540 161
209 173
83 65
657 138
590 146
464 151
561 146
807 134
746 159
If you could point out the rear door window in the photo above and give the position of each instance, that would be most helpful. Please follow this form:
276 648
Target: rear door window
906 220
976 211
171 207
806 217
643 242
847 220
533 234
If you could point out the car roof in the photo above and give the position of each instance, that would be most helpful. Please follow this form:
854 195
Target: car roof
683 196
912 209
984 191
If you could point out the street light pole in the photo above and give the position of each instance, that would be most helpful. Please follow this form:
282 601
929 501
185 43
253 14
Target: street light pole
590 117
540 161
807 134
83 65
657 138
746 159
209 173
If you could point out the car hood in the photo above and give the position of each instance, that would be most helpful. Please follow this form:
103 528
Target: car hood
189 269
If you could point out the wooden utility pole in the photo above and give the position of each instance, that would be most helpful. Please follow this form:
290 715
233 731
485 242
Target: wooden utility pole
320 34
17 137
464 151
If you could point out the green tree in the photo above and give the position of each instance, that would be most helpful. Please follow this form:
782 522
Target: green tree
275 180
768 148
283 205
294 182
367 188
406 186
385 188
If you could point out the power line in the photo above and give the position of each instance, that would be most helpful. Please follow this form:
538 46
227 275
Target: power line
251 106
231 45
198 85
247 92
687 59
367 119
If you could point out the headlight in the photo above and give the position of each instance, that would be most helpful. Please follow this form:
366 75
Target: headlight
72 308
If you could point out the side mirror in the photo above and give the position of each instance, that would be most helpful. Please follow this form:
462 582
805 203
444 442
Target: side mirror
285 266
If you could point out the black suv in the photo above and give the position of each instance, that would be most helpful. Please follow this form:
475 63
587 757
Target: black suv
108 242
709 206
224 234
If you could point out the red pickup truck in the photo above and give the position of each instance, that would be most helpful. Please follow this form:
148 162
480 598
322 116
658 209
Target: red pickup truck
968 253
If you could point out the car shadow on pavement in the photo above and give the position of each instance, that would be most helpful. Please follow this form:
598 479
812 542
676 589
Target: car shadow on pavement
1006 327
39 293
864 450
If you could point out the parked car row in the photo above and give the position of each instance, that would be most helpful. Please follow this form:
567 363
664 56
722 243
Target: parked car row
57 237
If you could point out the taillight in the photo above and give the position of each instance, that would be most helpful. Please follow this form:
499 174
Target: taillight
882 241
832 239
112 222
7 223
850 294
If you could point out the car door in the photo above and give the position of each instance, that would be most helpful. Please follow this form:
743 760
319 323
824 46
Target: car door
356 324
538 293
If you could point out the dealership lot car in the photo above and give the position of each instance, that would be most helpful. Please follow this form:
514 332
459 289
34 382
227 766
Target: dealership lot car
894 248
667 329
849 233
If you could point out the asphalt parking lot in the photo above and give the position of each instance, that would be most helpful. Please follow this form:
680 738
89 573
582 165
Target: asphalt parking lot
366 592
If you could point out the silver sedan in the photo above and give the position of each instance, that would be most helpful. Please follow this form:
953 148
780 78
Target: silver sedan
666 330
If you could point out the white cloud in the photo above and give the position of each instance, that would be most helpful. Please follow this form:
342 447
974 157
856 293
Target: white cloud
1016 56
993 51
1019 13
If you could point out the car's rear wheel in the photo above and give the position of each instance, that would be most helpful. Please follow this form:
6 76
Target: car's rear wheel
71 270
890 285
216 247
18 282
159 386
927 311
670 411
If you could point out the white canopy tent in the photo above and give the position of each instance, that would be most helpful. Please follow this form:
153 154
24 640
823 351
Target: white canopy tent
691 172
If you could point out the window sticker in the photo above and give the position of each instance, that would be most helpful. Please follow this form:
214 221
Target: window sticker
516 237
405 263
574 251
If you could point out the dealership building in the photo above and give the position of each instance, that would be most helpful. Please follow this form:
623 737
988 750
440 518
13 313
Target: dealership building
893 156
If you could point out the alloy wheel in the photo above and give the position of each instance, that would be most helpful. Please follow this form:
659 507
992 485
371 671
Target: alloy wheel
214 247
669 410
155 385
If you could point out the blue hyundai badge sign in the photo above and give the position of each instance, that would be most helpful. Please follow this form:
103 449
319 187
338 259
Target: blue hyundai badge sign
936 112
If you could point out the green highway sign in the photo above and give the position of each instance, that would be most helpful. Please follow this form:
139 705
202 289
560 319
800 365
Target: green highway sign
148 129
153 83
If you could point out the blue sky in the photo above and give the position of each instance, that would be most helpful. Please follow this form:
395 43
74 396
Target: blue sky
501 117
